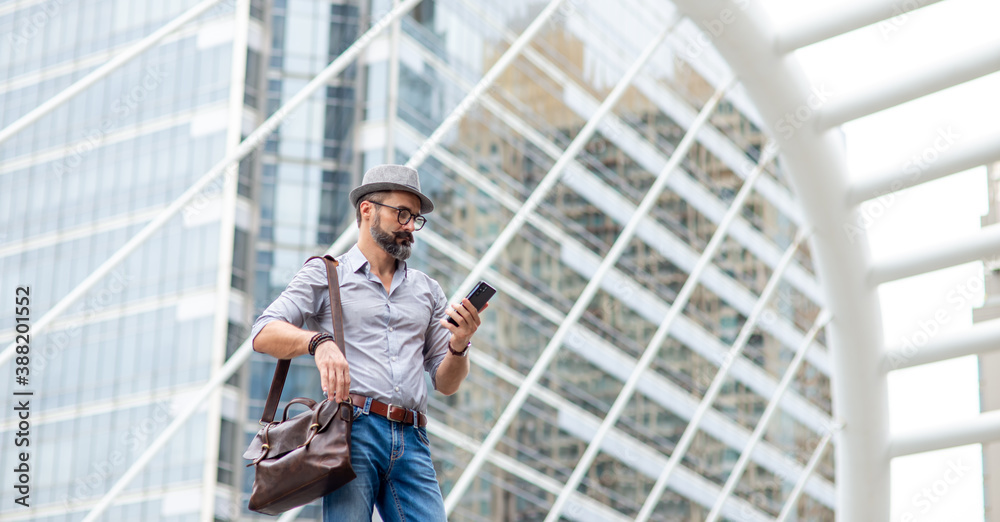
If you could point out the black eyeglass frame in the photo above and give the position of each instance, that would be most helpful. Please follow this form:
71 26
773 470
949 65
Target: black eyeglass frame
418 220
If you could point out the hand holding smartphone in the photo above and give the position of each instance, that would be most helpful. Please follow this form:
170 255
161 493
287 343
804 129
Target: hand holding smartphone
479 295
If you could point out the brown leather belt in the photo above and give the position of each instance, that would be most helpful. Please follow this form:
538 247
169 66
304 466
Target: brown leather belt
389 411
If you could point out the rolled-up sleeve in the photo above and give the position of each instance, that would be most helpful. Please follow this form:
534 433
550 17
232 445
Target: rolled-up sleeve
437 336
303 299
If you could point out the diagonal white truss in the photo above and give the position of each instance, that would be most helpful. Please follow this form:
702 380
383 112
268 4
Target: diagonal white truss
612 257
762 423
510 411
101 72
715 387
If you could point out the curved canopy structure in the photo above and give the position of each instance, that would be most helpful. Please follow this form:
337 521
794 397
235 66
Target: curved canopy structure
688 324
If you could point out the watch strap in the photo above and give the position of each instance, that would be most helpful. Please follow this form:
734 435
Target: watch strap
463 353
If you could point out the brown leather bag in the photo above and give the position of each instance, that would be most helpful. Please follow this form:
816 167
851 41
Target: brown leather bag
299 460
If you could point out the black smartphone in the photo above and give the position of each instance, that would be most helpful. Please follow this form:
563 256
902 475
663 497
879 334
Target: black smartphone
479 295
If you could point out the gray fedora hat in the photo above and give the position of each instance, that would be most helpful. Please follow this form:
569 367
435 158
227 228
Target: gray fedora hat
392 177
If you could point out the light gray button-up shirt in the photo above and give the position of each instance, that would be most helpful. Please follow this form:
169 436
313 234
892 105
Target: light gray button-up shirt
391 338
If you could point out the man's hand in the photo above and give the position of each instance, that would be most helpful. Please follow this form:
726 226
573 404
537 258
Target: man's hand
468 321
334 374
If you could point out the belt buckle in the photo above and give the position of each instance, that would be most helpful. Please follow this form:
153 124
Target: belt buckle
389 414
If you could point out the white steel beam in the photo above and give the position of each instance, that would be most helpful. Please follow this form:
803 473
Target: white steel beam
928 79
255 139
980 338
392 101
518 221
104 70
982 428
224 257
793 498
958 158
715 387
839 20
765 419
981 245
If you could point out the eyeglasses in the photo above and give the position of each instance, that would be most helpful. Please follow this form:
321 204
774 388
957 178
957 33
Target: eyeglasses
404 216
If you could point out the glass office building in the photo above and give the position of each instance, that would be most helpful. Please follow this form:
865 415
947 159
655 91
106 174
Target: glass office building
112 372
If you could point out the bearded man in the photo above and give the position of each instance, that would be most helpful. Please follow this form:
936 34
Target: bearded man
395 329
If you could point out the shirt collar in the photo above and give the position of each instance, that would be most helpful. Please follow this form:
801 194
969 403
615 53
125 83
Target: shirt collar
359 263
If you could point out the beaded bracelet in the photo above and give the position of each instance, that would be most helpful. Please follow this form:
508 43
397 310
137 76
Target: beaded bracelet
317 340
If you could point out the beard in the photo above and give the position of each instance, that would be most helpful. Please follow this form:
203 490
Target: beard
387 240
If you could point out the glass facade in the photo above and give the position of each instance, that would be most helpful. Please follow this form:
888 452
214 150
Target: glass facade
111 373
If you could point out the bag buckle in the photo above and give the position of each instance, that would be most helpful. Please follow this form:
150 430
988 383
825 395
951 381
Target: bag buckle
313 430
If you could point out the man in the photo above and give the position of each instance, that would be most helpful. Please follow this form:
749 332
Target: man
395 328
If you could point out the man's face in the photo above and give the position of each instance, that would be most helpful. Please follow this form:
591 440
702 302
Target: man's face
397 240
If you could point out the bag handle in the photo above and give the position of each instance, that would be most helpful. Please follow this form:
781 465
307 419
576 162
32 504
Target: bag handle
336 314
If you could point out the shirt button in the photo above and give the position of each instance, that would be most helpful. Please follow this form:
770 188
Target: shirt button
393 357
397 388
390 328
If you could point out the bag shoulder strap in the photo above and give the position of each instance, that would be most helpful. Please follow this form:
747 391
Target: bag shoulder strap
336 314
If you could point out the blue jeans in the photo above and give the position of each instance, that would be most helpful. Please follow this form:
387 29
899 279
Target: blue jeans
395 474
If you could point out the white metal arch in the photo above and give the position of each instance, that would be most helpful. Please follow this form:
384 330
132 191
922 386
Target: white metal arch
814 159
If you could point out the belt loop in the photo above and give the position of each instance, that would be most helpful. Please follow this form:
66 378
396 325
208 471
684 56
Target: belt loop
416 419
368 405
